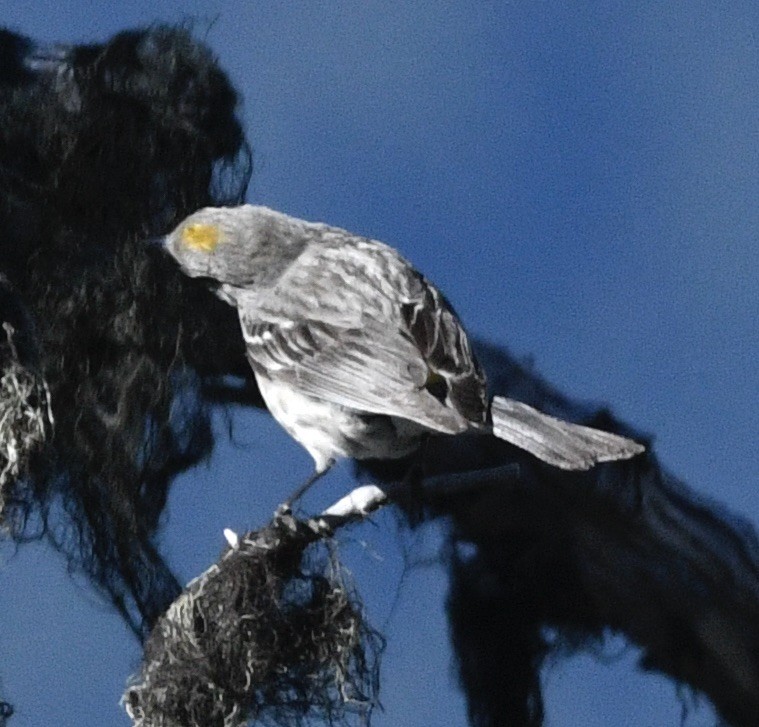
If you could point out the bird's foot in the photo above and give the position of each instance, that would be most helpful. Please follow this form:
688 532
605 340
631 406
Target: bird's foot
286 508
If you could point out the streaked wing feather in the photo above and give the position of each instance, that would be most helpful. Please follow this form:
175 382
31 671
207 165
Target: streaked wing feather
352 322
444 345
349 367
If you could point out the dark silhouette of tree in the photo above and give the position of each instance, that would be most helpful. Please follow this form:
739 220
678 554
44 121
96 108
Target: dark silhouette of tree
101 147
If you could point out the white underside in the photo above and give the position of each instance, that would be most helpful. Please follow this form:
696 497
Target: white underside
329 431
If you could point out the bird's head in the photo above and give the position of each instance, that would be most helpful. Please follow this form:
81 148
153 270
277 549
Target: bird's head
202 242
240 246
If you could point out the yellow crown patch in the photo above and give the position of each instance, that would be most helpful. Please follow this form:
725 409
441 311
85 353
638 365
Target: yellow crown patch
201 237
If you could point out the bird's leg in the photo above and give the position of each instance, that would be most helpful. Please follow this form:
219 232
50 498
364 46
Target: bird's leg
287 505
306 486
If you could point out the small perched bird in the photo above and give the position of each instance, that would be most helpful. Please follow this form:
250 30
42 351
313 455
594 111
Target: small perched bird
356 354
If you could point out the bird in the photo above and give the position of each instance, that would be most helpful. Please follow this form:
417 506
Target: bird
356 354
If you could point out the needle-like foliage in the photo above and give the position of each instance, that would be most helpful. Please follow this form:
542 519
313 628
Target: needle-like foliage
273 633
102 147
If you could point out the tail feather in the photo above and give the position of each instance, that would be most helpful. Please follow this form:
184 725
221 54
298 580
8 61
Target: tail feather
559 443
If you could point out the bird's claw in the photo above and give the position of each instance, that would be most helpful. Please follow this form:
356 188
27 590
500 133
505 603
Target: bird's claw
284 510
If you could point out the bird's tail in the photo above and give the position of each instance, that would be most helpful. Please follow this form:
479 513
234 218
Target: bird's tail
559 443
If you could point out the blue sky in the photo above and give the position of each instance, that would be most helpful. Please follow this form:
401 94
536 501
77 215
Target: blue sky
583 185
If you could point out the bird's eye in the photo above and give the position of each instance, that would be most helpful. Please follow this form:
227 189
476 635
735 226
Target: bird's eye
201 237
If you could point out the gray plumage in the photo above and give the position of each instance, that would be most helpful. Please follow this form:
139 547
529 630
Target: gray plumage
355 353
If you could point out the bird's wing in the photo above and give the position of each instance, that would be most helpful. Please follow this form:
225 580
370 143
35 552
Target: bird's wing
438 335
348 367
354 324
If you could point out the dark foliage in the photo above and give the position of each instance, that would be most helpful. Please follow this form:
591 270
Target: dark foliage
25 415
101 147
546 563
272 633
